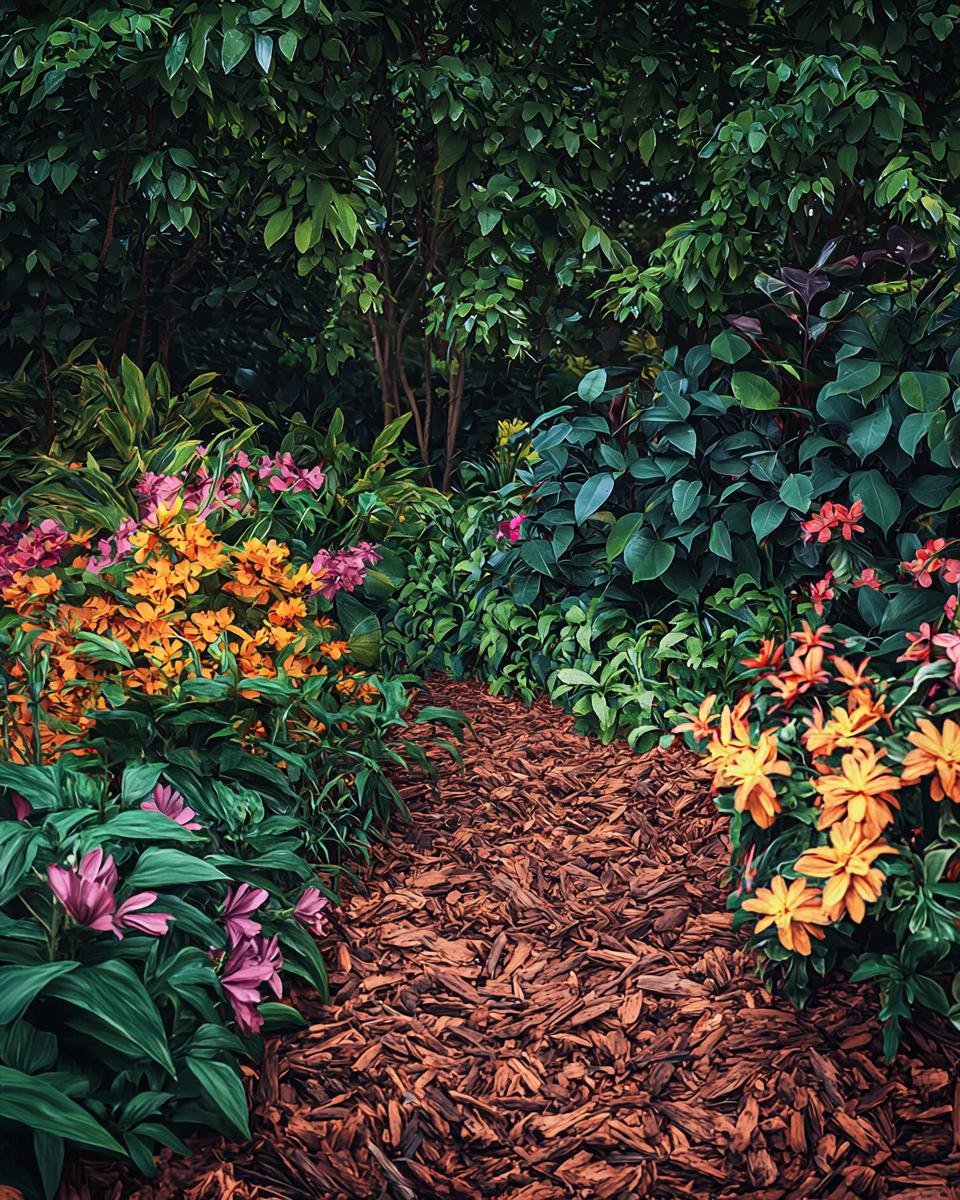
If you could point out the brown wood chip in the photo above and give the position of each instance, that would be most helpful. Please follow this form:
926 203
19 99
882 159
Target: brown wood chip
538 995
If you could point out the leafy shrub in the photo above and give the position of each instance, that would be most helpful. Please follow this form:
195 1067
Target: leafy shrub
184 726
838 389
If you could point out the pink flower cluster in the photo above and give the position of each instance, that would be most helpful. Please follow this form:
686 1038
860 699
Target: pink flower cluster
342 571
254 961
833 516
931 561
282 475
24 547
510 527
87 892
110 550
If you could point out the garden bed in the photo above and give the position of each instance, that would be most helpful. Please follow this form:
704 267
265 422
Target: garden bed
539 994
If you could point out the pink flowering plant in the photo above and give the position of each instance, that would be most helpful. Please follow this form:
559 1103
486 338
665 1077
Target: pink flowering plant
148 937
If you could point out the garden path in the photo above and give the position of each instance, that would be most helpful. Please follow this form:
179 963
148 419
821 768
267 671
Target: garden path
539 995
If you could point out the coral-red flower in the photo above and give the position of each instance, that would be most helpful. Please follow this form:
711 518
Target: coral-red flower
928 562
868 579
821 592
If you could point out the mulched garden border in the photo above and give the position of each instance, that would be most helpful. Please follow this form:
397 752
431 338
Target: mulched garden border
538 994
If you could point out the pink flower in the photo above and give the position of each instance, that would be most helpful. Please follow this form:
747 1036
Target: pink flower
867 578
950 608
821 592
833 516
24 547
951 643
510 527
21 807
344 570
240 903
165 800
253 963
87 893
129 915
927 563
87 902
241 459
309 908
112 549
283 474
951 570
921 645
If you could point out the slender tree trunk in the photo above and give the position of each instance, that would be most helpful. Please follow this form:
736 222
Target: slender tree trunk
454 415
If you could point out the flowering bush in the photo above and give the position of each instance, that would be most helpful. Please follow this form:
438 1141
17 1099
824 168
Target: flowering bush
184 725
843 789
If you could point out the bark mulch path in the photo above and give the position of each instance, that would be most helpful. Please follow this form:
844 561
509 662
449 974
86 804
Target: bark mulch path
539 995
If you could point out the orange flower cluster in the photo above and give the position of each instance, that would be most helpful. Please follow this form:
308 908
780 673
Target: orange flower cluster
182 606
838 771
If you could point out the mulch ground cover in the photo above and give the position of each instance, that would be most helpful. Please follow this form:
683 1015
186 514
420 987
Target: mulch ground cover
538 994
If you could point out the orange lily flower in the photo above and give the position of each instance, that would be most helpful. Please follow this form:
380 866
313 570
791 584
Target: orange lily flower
795 910
937 753
750 769
701 726
847 865
861 791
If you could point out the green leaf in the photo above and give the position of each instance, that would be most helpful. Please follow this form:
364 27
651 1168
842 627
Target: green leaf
621 533
592 385
686 498
924 390
593 493
880 501
113 994
576 678
139 780
753 391
263 49
538 553
236 43
797 492
869 433
222 1087
176 54
288 44
766 517
729 347
720 543
277 226
19 985
912 430
161 867
30 1102
150 826
647 557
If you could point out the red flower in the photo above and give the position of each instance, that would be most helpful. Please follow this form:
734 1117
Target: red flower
808 637
867 578
769 655
927 563
834 516
821 592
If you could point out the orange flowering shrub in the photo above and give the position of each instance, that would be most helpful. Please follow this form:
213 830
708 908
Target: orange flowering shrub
843 791
181 605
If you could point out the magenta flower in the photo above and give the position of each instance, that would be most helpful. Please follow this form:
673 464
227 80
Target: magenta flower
343 571
87 893
240 903
510 527
24 547
253 963
87 902
129 916
283 474
309 908
165 800
111 549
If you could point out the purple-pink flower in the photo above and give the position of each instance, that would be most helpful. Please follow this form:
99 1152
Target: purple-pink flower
24 547
282 474
87 893
510 527
342 571
111 549
309 908
171 804
253 963
21 806
240 904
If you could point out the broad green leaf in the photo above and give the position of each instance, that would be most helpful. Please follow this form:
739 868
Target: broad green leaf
162 867
277 226
621 533
148 826
686 498
30 1102
912 430
880 501
222 1087
766 517
593 493
924 390
797 492
720 543
729 347
753 391
236 43
576 678
112 993
592 384
538 553
19 985
647 557
867 434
